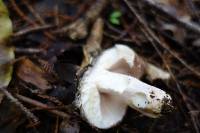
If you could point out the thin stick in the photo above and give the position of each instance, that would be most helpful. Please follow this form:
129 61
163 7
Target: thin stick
28 50
152 34
31 30
56 130
41 105
36 15
20 105
56 14
24 17
184 97
20 13
185 24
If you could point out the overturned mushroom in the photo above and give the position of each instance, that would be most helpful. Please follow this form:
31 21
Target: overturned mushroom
112 84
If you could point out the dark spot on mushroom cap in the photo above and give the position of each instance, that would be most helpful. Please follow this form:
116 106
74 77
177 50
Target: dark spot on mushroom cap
152 92
152 96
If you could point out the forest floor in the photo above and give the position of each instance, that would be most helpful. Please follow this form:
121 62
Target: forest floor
49 35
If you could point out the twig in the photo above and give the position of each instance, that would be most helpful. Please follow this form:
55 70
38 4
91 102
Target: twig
51 98
28 50
152 34
185 24
79 28
116 37
56 14
21 106
31 30
20 13
112 27
24 17
41 105
56 130
184 97
36 15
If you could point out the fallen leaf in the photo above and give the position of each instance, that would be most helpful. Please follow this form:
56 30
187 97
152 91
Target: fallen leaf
5 23
6 55
31 73
6 52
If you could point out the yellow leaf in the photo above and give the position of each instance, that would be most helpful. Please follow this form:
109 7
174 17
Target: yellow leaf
6 52
5 23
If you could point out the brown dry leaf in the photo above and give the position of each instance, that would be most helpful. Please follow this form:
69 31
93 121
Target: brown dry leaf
31 73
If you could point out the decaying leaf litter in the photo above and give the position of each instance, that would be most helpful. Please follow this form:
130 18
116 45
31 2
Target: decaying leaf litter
52 37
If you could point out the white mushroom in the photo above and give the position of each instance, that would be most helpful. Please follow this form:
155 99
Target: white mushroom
107 88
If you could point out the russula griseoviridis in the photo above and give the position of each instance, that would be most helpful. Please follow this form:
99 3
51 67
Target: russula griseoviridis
112 84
